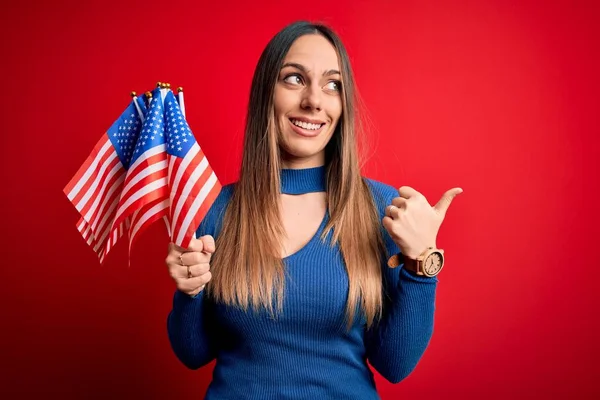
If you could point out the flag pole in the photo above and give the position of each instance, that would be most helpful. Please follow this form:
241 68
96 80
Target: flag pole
163 93
137 106
181 103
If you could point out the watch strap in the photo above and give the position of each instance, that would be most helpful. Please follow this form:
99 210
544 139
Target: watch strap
409 264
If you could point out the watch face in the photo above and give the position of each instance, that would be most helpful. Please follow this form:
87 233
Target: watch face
433 264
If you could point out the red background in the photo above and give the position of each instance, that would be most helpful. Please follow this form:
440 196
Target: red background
498 97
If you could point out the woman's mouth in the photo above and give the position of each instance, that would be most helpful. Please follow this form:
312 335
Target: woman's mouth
306 129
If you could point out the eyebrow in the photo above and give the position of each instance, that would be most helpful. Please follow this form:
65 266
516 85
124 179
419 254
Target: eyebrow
303 69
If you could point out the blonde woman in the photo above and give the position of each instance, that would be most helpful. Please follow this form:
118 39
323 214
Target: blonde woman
296 295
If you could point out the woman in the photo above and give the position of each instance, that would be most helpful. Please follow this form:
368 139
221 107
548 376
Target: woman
295 295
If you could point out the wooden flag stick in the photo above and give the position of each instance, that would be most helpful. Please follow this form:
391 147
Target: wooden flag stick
181 103
137 106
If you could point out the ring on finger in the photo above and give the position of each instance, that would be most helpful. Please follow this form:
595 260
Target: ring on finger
189 270
181 260
390 209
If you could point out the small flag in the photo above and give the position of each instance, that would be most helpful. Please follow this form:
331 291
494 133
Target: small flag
193 185
96 188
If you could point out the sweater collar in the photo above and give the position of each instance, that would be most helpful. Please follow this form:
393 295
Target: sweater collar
305 180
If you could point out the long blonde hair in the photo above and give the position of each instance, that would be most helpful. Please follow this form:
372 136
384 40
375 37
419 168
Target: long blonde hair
247 268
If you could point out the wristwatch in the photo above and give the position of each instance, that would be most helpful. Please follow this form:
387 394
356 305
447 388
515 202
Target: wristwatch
429 263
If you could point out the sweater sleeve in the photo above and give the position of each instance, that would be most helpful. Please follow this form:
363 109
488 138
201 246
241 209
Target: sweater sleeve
191 324
189 330
397 342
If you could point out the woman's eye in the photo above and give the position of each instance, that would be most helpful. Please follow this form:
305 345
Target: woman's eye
334 85
293 79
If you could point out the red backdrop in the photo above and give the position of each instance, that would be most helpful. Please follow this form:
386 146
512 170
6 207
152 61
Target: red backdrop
500 98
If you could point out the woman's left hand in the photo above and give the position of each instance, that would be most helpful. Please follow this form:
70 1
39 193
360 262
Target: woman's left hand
413 223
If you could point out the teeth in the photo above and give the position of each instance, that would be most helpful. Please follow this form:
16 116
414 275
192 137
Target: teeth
306 125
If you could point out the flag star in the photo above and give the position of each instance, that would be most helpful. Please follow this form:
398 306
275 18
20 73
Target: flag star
179 148
151 137
184 140
178 143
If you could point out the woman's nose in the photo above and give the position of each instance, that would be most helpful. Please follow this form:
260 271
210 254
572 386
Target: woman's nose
312 98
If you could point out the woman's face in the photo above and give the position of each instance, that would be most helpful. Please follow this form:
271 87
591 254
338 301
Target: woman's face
307 101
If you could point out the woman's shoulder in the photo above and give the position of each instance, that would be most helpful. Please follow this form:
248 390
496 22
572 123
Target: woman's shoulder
382 193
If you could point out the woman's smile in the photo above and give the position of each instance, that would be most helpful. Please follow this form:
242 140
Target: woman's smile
306 129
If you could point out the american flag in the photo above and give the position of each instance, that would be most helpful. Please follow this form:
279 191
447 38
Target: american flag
146 180
193 185
126 182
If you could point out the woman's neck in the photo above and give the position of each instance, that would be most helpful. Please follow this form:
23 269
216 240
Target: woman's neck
291 162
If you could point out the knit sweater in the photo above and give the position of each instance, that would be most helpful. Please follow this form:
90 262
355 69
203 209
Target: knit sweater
306 352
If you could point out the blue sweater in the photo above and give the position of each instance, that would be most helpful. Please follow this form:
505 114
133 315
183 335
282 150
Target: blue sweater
306 352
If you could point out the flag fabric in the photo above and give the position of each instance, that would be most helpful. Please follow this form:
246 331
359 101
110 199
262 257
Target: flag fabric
147 166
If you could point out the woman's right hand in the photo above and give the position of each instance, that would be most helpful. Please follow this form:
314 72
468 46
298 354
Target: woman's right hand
190 268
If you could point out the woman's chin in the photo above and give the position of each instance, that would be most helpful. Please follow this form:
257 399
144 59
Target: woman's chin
301 148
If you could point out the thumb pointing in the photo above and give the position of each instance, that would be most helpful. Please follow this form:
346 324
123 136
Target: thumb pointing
442 205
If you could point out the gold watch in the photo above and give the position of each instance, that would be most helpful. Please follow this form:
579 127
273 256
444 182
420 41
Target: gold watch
429 263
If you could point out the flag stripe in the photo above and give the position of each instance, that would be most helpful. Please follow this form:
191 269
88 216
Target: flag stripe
88 168
191 215
197 169
110 197
152 159
104 226
102 194
94 184
85 231
148 192
181 165
145 218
